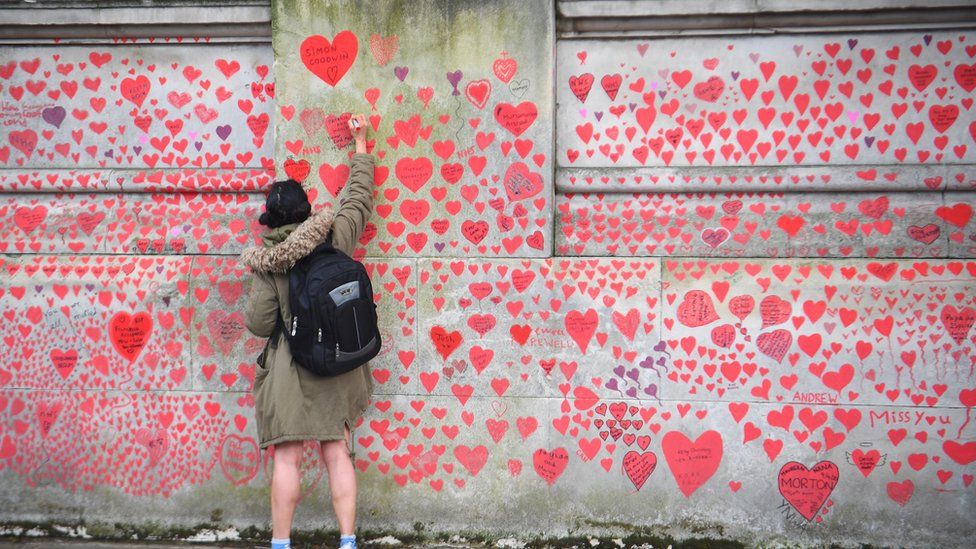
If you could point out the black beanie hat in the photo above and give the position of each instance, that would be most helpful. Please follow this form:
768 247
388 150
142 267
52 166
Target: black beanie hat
287 203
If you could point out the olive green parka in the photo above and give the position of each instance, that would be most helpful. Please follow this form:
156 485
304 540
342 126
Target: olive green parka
292 403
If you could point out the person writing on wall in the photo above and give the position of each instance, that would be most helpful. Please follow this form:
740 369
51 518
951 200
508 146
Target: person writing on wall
293 405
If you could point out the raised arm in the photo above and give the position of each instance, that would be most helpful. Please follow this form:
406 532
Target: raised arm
356 201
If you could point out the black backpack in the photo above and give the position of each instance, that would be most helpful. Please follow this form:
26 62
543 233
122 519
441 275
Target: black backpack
333 327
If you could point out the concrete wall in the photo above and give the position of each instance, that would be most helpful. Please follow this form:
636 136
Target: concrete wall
462 114
125 367
735 300
827 154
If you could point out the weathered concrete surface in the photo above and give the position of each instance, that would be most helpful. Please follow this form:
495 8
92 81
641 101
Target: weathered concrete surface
737 224
106 312
780 100
583 395
162 180
818 360
708 482
67 12
459 99
918 177
137 224
448 445
514 328
860 332
624 8
958 214
156 106
140 446
167 323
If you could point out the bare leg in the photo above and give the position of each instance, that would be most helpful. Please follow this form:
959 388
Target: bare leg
342 482
285 487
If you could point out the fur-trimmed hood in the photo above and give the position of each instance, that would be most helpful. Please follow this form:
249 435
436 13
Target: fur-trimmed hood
284 246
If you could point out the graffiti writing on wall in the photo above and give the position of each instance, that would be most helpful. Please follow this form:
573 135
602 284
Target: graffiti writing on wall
766 225
696 377
73 106
768 101
463 164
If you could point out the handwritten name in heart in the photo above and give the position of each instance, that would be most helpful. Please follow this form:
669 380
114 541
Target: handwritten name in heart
129 333
330 60
807 489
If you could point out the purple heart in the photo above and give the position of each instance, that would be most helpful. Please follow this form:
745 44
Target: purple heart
137 149
851 42
612 385
89 287
54 116
223 132
651 390
633 374
928 39
109 153
38 288
869 140
619 370
598 115
632 392
735 75
401 72
633 106
455 78
439 246
662 93
198 145
647 362
660 346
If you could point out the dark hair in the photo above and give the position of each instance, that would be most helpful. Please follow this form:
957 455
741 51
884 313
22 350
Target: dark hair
287 203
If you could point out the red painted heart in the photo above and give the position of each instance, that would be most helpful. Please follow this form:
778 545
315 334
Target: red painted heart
807 489
330 61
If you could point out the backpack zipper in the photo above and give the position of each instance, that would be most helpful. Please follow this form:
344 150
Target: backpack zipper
359 338
294 325
317 318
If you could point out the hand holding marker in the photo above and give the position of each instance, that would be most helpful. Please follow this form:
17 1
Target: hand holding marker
357 126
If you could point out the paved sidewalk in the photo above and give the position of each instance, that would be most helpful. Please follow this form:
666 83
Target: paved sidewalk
71 544
82 544
374 543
